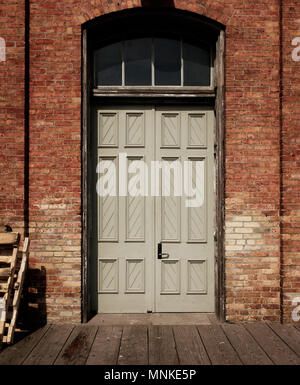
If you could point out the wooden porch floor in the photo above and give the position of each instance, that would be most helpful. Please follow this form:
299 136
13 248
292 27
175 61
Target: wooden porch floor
247 344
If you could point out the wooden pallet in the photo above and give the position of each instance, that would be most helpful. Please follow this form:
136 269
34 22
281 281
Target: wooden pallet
13 266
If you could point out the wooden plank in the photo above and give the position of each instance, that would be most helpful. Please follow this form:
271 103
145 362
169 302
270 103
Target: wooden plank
18 286
218 347
9 238
106 346
3 315
162 349
275 348
3 287
10 280
134 349
190 348
5 258
16 354
5 272
85 111
21 274
245 345
6 298
220 175
140 92
47 350
77 347
289 334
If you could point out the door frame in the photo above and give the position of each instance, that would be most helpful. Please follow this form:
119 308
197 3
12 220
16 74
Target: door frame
217 94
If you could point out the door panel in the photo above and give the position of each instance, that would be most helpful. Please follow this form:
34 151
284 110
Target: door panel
131 278
185 280
125 239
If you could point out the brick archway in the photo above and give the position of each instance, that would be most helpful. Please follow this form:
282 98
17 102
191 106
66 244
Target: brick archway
218 11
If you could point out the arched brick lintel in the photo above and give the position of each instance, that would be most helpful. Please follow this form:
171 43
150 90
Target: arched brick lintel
215 10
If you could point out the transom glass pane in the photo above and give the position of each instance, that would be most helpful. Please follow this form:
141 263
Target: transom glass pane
153 61
138 54
108 64
167 62
196 65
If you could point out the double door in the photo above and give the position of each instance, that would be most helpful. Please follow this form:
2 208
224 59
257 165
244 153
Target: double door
155 209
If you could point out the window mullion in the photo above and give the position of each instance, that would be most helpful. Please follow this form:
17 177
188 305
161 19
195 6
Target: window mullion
152 64
123 63
182 72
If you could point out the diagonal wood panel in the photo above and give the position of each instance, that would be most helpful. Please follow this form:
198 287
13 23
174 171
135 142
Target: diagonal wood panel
135 218
108 130
108 218
170 130
197 130
135 129
135 275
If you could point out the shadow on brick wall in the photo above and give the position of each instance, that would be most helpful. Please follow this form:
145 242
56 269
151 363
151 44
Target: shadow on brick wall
32 312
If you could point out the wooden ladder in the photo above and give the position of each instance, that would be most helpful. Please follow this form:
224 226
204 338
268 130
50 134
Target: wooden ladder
13 266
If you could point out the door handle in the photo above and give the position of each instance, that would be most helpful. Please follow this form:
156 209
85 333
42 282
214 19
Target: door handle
160 254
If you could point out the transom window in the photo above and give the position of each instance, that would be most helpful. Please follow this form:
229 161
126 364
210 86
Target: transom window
153 61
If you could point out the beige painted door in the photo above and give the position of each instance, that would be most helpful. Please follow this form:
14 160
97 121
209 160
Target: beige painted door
125 224
131 278
185 222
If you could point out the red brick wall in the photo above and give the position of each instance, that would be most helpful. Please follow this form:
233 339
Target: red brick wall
252 149
12 22
252 163
290 159
55 154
